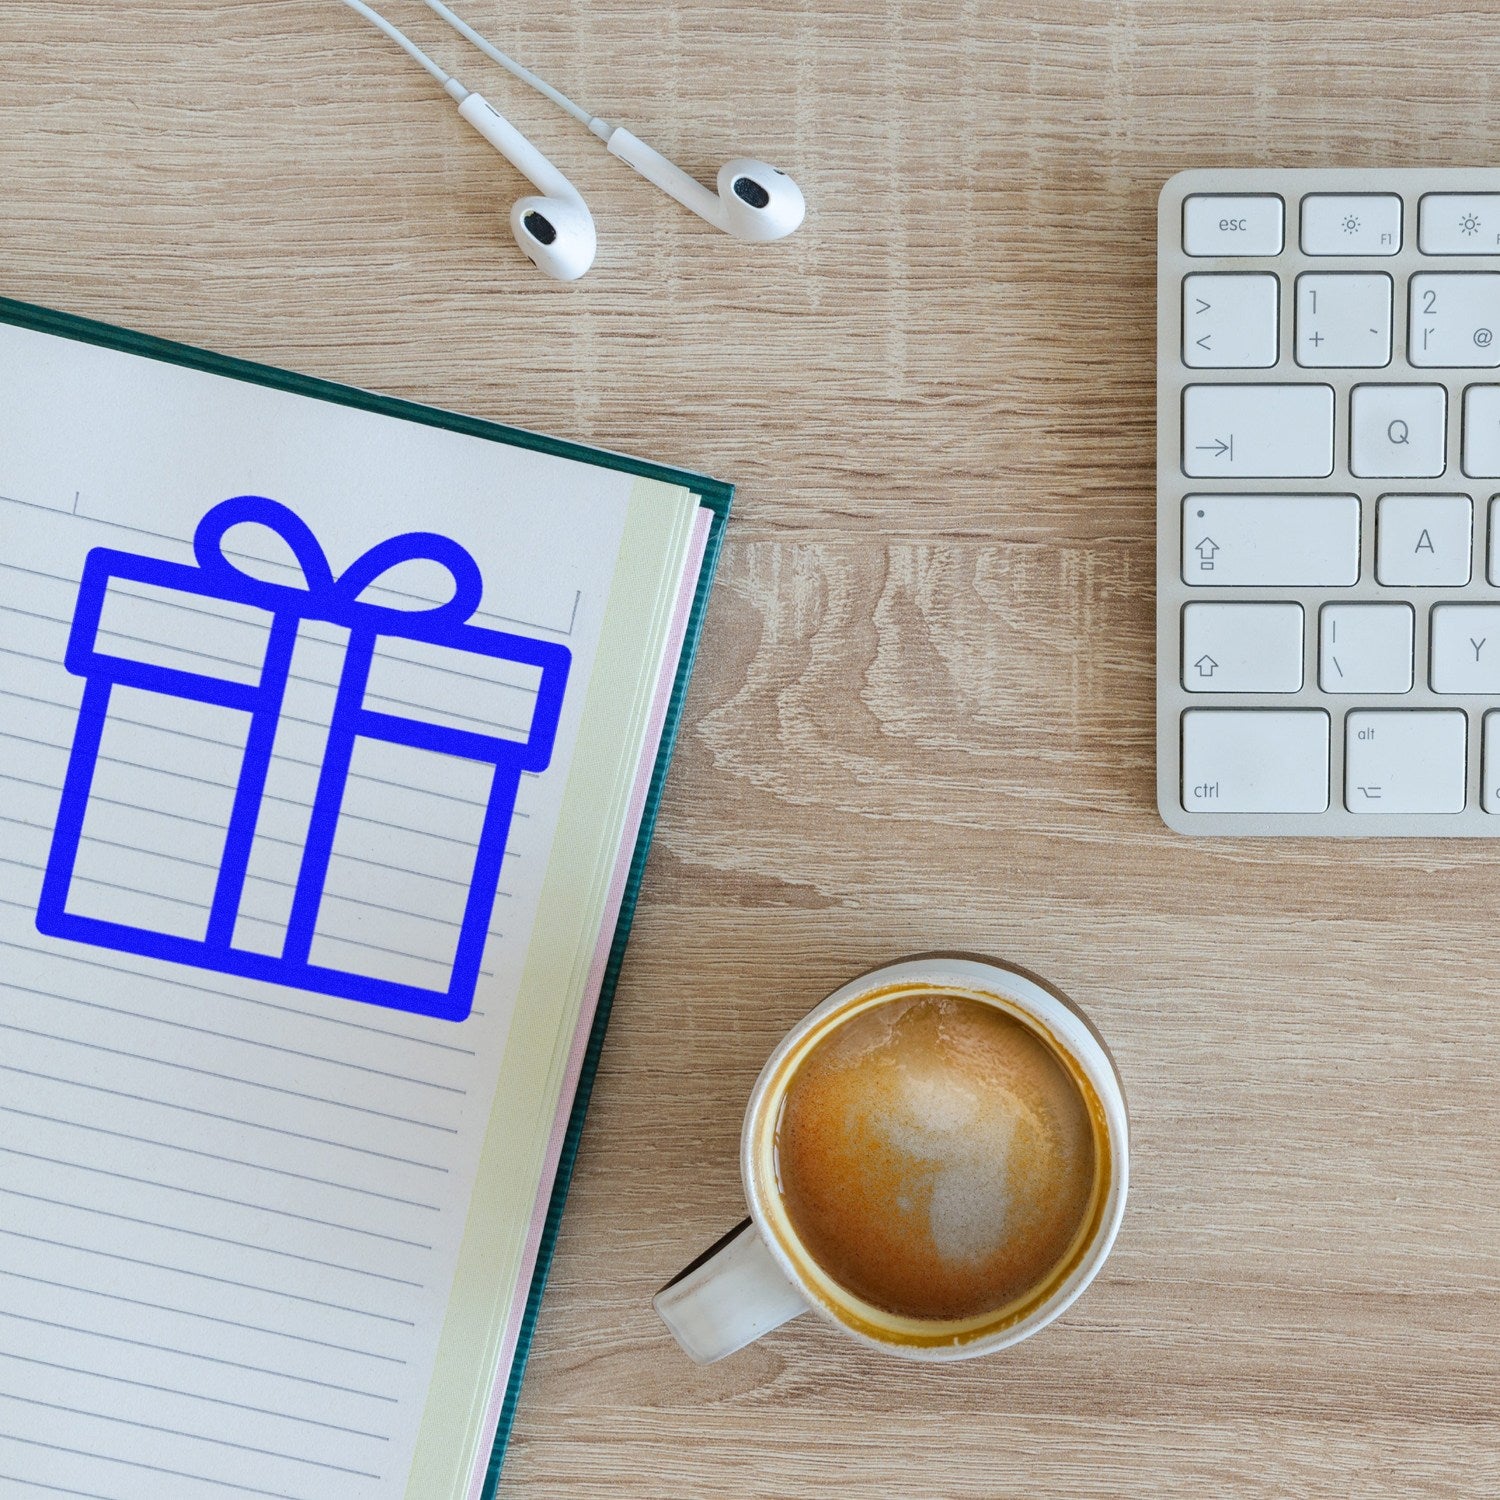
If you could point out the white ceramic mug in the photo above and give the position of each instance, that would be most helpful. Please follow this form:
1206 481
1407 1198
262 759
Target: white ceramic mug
760 1276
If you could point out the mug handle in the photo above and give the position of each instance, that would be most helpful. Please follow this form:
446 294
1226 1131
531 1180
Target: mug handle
729 1297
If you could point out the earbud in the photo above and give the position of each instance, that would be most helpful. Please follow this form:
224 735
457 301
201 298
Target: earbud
555 229
755 201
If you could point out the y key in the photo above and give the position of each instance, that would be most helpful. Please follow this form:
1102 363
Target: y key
1466 648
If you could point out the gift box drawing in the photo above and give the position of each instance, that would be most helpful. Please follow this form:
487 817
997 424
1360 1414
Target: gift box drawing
374 876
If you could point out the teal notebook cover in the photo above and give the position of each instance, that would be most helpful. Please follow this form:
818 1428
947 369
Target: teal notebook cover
714 494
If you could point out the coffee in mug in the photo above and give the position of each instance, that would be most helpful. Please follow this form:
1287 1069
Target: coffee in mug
937 1156
935 1159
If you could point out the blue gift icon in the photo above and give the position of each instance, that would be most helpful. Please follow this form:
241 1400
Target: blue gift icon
361 715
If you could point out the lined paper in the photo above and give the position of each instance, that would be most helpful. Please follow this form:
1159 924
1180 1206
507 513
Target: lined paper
229 1212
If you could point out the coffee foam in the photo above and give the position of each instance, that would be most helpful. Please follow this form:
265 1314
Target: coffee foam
935 1156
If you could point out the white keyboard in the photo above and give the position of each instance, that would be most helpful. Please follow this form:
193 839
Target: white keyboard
1328 503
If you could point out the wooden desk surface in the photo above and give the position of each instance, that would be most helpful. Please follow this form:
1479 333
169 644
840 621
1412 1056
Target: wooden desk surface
923 716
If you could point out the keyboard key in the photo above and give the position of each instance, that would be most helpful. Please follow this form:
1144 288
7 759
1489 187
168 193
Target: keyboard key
1494 573
1453 320
1365 648
1397 431
1344 320
1257 431
1229 322
1459 224
1489 792
1242 648
1423 541
1466 648
1237 760
1406 761
1270 541
1482 431
1241 225
1351 224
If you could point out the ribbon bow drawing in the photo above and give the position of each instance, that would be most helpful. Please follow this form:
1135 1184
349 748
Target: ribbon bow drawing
329 597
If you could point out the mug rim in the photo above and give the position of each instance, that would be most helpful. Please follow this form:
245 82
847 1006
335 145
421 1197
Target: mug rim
1044 1005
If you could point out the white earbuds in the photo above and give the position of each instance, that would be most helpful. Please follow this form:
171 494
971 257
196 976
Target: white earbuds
555 229
755 201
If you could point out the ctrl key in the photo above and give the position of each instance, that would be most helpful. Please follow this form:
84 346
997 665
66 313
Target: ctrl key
1249 760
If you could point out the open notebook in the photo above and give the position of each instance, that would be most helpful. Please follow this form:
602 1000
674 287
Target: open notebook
331 732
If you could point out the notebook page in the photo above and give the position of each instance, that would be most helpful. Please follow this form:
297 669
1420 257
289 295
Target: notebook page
229 1209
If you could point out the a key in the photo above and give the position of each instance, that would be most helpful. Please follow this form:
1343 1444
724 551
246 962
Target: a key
1365 648
1270 541
1344 320
1242 648
1257 431
1406 761
1466 648
1397 431
1482 431
1229 322
1237 760
1422 541
1459 224
1494 573
1351 224
1247 224
1453 319
1489 795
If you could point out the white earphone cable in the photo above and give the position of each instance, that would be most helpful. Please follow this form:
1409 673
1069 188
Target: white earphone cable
401 39
491 51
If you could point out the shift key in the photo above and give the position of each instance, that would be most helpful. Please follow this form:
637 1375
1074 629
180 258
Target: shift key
1257 431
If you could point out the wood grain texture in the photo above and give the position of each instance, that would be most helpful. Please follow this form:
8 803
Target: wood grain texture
923 715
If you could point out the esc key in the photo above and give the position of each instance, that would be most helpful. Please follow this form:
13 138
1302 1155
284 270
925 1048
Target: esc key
1244 224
